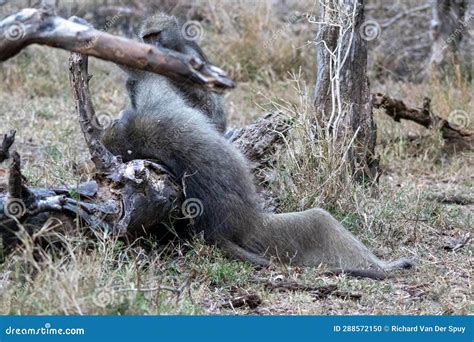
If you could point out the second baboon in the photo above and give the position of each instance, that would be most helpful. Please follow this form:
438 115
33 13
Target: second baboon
165 31
164 127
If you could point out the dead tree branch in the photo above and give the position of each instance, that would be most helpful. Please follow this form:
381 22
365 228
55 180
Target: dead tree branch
397 110
318 292
79 78
41 26
15 179
7 142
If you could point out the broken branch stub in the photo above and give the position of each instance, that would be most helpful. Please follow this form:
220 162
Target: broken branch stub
424 116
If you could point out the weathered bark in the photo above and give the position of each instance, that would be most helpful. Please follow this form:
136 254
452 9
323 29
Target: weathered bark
79 78
424 116
448 26
41 26
259 142
342 94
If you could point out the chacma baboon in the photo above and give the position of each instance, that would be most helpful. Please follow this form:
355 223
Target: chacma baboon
163 127
165 31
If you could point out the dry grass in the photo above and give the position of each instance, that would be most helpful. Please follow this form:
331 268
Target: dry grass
99 275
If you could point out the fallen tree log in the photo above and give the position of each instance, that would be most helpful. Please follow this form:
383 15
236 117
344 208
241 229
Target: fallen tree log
41 26
424 116
125 199
260 142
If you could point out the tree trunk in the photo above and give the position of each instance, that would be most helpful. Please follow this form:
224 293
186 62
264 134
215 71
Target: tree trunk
448 26
342 95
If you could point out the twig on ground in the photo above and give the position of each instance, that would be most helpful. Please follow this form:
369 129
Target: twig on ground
250 300
318 292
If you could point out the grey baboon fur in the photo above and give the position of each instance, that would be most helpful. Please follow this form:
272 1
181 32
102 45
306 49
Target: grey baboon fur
165 31
164 127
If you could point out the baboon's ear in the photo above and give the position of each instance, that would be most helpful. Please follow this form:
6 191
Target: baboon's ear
152 38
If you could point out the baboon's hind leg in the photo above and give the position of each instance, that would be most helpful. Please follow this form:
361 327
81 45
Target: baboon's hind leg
234 251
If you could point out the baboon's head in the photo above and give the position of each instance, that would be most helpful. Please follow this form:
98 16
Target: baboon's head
162 30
